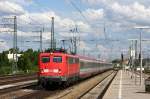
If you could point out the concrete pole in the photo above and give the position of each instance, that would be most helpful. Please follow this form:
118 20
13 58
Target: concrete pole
41 41
52 34
14 65
132 57
141 58
135 59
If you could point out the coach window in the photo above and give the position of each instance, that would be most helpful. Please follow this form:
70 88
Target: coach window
70 60
45 59
57 59
74 61
77 60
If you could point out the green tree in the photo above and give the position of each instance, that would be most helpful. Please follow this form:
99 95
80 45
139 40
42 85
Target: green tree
28 61
24 62
5 66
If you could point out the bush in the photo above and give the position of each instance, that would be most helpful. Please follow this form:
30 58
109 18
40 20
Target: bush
5 70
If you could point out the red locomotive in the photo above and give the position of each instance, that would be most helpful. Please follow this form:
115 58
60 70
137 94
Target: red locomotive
63 68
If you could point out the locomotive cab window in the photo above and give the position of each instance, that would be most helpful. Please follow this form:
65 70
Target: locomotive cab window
73 60
45 59
57 59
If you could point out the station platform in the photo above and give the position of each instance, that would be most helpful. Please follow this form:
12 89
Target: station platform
126 85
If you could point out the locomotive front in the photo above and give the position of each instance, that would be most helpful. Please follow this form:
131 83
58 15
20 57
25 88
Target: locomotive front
52 68
58 67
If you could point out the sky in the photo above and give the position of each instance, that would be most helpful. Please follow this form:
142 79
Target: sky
105 27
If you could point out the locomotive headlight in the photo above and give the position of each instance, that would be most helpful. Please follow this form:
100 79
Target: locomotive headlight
45 70
55 70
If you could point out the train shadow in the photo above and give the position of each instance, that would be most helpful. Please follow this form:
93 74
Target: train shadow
51 87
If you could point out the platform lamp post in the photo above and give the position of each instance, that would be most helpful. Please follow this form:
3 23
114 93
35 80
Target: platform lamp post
134 55
141 67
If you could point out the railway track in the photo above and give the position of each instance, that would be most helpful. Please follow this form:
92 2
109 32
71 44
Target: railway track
76 91
88 91
79 90
14 75
98 91
8 79
16 86
11 83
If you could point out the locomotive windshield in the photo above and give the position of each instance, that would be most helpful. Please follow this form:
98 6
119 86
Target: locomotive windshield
45 59
57 59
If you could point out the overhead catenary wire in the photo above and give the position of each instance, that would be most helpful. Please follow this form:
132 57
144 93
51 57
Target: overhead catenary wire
74 5
85 18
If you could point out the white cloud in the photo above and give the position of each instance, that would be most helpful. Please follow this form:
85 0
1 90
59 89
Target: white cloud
4 46
26 19
38 17
92 2
20 2
62 25
94 14
34 35
135 11
66 23
7 8
83 26
83 45
24 2
6 29
103 51
102 48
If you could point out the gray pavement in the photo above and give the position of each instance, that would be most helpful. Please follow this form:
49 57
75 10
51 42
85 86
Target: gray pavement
126 87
